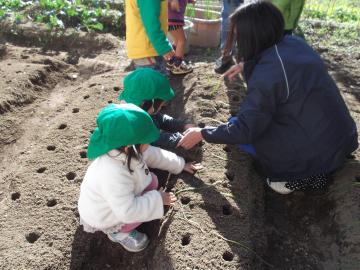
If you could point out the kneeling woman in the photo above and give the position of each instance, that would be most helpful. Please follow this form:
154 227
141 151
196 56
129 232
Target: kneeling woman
294 118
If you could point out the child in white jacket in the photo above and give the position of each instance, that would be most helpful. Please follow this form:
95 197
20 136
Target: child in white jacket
118 192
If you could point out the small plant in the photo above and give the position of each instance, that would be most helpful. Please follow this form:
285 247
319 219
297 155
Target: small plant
190 11
209 12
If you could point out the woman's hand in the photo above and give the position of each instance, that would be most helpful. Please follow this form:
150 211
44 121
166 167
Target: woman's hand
191 137
174 5
233 71
167 197
192 167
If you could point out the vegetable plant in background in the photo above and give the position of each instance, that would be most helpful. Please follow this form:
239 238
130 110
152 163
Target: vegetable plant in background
207 23
88 16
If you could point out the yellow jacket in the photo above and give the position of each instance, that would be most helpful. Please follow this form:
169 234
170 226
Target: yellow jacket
146 28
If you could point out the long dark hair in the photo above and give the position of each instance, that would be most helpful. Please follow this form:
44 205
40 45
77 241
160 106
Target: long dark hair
155 103
131 154
255 27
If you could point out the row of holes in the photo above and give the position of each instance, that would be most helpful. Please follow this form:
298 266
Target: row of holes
227 255
34 236
226 209
49 203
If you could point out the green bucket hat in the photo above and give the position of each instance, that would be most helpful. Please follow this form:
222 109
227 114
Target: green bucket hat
121 125
146 84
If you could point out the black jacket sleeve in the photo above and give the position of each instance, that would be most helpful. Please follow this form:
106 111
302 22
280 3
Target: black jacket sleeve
167 123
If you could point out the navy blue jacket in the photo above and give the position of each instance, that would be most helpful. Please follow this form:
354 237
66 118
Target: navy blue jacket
293 114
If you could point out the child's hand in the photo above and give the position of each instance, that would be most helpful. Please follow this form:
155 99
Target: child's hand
192 167
187 126
174 5
167 197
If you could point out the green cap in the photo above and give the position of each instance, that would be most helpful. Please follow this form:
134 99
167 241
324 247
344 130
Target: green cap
146 84
121 125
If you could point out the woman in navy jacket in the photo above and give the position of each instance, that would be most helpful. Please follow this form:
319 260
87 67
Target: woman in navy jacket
294 117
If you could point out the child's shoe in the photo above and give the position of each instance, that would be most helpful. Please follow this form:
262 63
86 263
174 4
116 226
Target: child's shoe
134 241
278 187
181 69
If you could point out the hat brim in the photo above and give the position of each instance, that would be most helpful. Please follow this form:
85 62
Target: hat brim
98 147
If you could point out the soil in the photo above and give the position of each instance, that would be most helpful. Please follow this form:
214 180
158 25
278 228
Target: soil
225 217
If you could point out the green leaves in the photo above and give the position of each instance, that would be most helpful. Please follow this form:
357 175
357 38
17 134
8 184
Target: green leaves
88 15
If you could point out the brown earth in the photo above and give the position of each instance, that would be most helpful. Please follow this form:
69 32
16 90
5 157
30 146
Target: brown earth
225 218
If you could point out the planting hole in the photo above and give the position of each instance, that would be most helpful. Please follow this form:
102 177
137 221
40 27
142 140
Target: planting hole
41 170
51 203
185 240
15 196
235 98
70 175
227 149
51 147
110 101
62 126
185 200
201 125
83 154
92 131
32 237
227 210
86 96
229 176
75 110
357 178
116 89
228 256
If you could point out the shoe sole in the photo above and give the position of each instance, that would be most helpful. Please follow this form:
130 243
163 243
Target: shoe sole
129 249
180 73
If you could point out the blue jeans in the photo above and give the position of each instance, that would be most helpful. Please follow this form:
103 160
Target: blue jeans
159 65
229 7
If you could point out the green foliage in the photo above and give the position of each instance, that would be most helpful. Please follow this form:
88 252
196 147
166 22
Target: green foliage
190 11
335 10
87 15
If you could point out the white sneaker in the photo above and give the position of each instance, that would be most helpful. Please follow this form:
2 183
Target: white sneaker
134 241
278 187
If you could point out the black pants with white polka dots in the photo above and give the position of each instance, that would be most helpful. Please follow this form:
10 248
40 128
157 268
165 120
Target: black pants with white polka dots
315 182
